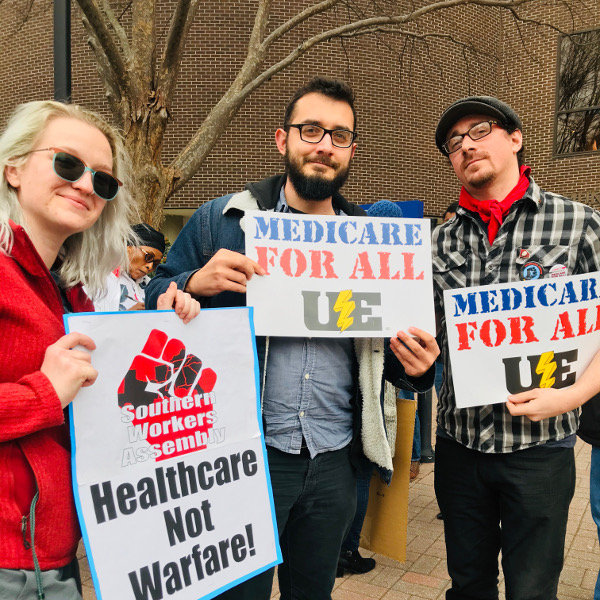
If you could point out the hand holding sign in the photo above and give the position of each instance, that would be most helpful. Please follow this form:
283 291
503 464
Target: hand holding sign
543 403
416 355
68 369
185 307
540 403
172 487
343 276
225 271
516 337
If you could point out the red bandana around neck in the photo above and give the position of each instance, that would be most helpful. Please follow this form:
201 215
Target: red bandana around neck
493 212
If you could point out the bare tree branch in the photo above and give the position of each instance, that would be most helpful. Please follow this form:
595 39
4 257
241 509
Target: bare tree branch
519 19
112 65
297 20
140 89
256 52
261 22
113 21
179 28
113 88
25 14
189 160
142 59
365 26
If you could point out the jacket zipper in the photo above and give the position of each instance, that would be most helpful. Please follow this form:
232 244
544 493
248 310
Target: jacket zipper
24 520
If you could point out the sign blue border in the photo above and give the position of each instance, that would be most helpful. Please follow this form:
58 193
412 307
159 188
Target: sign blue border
84 532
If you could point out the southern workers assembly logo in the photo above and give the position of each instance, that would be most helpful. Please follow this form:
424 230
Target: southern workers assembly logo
167 402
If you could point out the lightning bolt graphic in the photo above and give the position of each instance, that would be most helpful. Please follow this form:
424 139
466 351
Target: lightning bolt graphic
344 306
546 367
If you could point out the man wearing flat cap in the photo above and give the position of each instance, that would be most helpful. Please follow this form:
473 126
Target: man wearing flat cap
503 482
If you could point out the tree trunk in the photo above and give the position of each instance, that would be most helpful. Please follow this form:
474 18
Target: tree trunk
153 182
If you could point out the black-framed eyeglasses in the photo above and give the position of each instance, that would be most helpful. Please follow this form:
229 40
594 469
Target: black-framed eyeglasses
71 168
478 131
313 134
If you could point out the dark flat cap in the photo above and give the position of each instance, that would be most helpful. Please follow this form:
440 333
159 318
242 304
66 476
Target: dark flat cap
475 105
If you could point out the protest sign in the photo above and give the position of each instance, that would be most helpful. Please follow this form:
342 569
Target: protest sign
513 337
337 276
169 462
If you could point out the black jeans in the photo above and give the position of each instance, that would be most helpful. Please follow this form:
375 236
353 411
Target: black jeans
315 502
363 483
516 503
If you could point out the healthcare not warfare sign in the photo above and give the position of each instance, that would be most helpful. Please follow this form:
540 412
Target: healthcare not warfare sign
509 338
169 462
339 276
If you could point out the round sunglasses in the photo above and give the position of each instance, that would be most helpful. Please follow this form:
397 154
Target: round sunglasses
150 258
71 168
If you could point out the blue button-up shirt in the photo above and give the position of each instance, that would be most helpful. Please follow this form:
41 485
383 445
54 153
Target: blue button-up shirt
308 391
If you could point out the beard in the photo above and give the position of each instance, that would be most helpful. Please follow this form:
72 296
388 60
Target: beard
481 181
482 178
314 187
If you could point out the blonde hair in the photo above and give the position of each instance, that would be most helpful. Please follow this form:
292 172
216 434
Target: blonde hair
87 257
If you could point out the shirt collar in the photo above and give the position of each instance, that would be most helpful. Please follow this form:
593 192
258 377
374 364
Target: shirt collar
283 207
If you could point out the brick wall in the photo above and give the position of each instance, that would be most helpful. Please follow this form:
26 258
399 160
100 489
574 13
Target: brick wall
529 84
402 87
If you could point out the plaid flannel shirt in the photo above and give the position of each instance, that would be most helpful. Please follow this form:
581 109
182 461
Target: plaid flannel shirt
541 227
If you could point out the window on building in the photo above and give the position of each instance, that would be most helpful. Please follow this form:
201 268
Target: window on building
578 101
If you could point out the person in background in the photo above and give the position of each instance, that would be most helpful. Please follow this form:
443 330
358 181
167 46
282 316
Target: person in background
315 388
64 214
538 404
503 483
124 288
589 431
450 212
415 457
439 364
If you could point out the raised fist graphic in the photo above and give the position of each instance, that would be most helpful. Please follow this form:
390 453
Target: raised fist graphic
162 370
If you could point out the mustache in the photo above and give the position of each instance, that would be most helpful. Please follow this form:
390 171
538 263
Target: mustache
471 156
323 160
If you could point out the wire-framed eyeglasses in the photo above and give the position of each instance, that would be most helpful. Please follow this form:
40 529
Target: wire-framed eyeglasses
478 131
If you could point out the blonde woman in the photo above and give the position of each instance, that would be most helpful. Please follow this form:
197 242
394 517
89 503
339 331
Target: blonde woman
64 214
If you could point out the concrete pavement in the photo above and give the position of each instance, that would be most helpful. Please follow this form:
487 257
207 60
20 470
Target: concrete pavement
423 576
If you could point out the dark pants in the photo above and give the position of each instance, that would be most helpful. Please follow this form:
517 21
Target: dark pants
516 503
363 483
315 501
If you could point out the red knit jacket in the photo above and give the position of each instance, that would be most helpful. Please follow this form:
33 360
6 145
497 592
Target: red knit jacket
34 440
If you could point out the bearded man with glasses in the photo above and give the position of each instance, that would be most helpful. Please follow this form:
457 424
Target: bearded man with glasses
312 459
503 482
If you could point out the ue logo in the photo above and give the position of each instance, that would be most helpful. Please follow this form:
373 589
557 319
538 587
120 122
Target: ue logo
546 370
341 311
